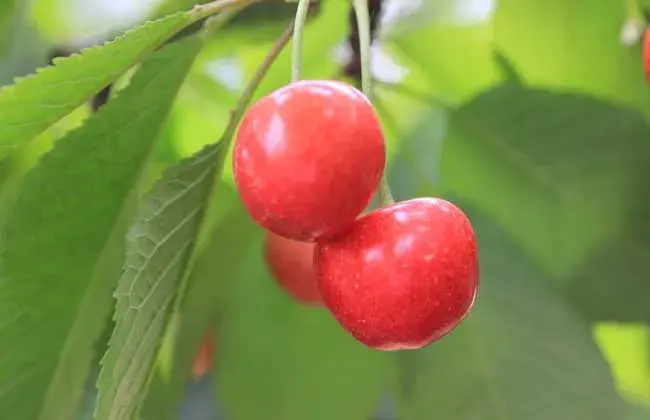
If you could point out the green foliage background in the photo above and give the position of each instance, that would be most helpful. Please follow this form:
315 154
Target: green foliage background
123 241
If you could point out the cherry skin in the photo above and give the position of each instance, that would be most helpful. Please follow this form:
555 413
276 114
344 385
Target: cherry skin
291 263
203 359
402 276
308 157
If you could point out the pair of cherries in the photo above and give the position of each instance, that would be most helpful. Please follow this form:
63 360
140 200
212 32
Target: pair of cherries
307 160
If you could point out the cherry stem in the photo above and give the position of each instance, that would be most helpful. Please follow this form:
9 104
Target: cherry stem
255 81
363 20
296 52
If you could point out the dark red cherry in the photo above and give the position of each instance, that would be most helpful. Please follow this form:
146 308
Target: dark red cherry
292 265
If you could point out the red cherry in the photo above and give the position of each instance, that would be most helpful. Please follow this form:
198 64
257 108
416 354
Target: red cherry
308 158
292 265
402 276
203 359
646 54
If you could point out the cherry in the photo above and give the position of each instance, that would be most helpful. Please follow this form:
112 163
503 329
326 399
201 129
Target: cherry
401 276
292 265
204 357
308 157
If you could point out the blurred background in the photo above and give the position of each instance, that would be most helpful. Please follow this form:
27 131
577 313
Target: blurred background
533 114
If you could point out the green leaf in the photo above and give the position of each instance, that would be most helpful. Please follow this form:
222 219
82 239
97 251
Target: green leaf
616 277
202 109
61 23
612 283
21 48
34 103
161 244
561 44
63 243
8 9
560 172
572 45
414 169
522 353
638 412
202 306
627 348
445 51
295 361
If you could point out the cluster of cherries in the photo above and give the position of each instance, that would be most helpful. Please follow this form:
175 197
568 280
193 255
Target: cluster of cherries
307 160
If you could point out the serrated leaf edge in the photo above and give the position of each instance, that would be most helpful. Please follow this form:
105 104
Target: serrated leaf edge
185 19
211 151
75 56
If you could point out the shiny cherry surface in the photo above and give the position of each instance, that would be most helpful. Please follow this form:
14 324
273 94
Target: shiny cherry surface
291 263
402 276
308 157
